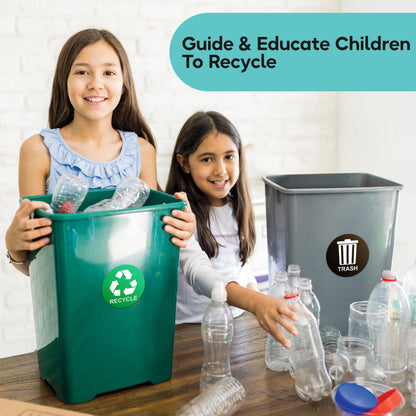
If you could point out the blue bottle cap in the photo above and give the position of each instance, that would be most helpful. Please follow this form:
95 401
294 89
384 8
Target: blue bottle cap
354 398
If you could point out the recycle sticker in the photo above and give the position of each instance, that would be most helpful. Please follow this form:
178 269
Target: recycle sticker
123 286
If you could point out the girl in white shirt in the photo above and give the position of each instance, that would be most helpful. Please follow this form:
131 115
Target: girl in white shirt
208 164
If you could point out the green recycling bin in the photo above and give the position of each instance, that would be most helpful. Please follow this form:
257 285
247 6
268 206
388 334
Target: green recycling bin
104 297
339 227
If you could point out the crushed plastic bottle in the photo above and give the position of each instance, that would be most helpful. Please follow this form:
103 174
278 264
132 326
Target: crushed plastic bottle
276 355
69 193
131 192
217 334
223 398
306 354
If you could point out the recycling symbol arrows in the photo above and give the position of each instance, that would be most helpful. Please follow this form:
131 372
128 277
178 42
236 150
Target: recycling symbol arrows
123 286
115 283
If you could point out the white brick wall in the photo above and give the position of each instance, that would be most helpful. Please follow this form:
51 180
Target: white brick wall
283 132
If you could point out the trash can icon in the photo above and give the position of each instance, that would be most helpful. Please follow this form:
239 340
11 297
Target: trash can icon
338 227
347 252
105 288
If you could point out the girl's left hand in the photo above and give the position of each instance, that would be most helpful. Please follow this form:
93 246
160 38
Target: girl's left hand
182 225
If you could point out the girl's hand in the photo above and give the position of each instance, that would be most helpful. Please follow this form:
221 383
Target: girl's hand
183 225
23 230
269 311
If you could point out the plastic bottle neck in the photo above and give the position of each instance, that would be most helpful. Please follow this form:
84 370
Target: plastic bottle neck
388 279
292 296
218 302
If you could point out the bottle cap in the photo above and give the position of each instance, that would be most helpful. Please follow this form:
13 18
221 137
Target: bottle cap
219 294
389 276
387 402
280 276
305 283
354 398
293 268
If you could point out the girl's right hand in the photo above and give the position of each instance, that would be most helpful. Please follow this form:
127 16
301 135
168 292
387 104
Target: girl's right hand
268 310
24 230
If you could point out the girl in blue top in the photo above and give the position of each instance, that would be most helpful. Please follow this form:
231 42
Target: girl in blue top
96 131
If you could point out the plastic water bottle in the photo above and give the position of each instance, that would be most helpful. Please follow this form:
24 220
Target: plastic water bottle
335 363
276 355
217 334
306 355
223 398
69 194
409 286
388 331
131 192
293 274
309 298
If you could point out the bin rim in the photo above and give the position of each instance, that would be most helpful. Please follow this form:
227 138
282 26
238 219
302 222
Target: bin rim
315 190
173 204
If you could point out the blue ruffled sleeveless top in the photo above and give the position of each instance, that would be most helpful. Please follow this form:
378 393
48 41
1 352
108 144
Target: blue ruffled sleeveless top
99 175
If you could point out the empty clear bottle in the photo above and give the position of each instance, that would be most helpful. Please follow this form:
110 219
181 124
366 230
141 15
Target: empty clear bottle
293 274
335 363
309 298
306 354
276 355
131 192
388 331
217 335
409 286
69 194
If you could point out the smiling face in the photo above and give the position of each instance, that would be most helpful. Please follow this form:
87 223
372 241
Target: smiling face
95 82
214 167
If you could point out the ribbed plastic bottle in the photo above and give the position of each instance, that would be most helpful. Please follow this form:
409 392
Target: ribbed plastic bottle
409 286
217 334
69 194
388 331
222 398
293 274
306 354
308 297
276 355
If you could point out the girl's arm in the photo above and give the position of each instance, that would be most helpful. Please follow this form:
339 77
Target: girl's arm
148 172
34 165
268 310
201 276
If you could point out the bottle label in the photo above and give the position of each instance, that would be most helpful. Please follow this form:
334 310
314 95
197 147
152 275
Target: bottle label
123 286
347 255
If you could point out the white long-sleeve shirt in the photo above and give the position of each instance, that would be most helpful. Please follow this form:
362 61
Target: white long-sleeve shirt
197 273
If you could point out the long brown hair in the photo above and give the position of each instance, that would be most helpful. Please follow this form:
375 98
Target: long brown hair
126 116
193 132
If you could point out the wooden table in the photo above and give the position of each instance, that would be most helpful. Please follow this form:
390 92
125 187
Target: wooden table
268 392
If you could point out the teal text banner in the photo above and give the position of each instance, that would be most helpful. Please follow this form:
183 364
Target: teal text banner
296 52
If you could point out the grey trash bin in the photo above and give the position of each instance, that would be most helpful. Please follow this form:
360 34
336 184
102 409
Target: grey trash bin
339 228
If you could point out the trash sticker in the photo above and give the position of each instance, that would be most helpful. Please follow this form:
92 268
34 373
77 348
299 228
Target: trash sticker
347 255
